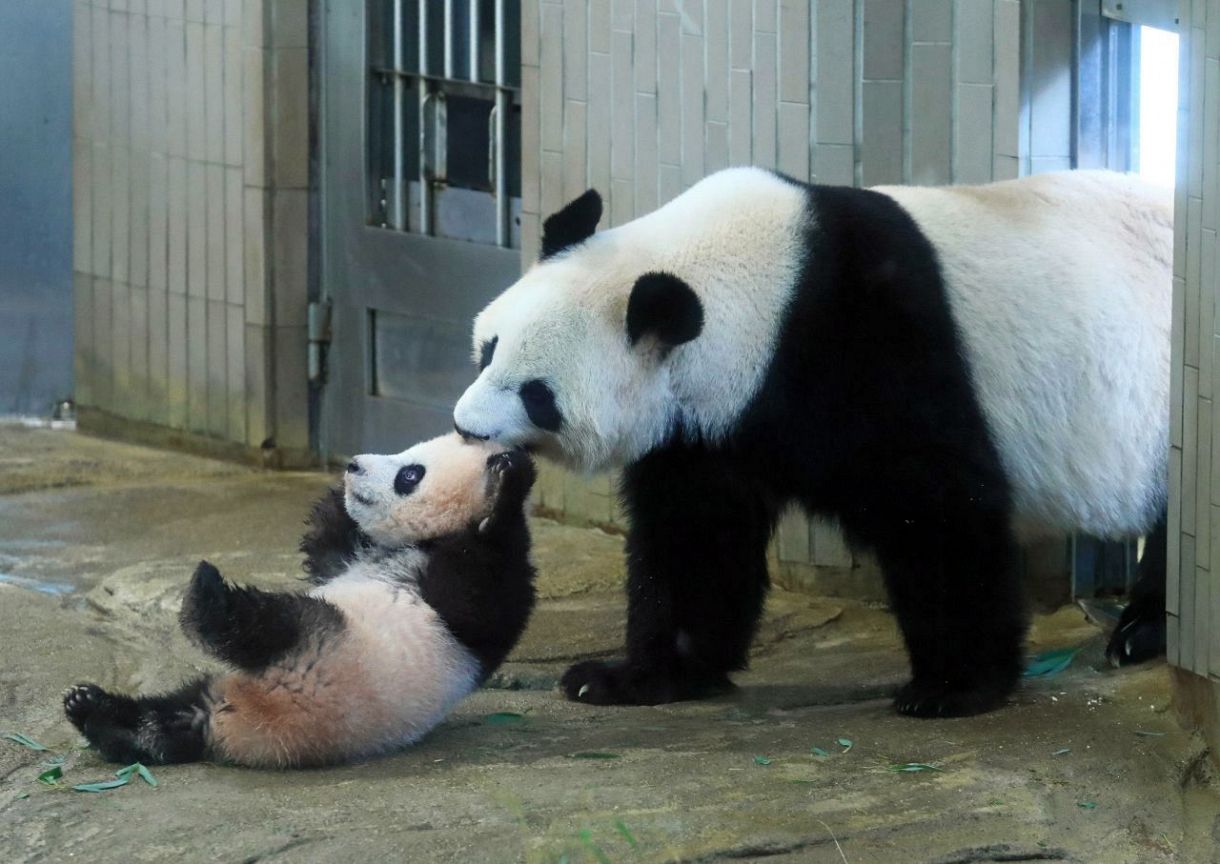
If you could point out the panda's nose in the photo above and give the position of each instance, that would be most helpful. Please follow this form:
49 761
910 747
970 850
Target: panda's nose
354 467
467 435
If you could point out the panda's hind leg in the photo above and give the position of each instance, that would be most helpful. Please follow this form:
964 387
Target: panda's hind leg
154 730
950 565
249 628
1141 631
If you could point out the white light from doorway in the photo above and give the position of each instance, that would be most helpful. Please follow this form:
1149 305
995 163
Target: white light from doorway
1158 105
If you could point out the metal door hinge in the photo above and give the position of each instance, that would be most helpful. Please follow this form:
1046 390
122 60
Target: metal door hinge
319 339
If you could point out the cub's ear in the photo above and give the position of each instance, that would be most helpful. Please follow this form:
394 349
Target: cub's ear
574 224
664 307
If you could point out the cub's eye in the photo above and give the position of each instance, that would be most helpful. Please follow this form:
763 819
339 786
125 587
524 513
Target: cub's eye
487 351
408 478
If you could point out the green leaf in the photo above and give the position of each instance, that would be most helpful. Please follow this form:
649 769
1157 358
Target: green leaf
593 754
103 786
1063 751
818 751
621 828
913 767
761 760
51 775
23 796
586 838
25 741
504 718
146 775
1050 663
845 743
1087 805
1143 734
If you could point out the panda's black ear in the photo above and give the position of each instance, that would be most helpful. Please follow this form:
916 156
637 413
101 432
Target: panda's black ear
664 307
574 224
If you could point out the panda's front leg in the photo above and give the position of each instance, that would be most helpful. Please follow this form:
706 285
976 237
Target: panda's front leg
696 580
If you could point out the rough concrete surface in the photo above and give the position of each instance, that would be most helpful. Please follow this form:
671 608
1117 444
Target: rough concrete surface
97 540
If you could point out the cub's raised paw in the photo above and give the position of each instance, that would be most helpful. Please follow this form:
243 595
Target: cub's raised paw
1139 635
937 699
81 701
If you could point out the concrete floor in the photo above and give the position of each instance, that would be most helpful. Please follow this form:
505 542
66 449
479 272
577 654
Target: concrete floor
97 540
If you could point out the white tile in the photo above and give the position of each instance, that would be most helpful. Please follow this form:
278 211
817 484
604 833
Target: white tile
881 133
254 232
794 40
551 80
575 136
669 89
120 213
235 264
218 369
233 97
214 92
196 94
175 88
196 229
835 29
139 88
254 120
793 140
82 205
574 49
975 30
883 39
765 99
645 172
214 179
177 377
158 222
692 106
197 364
716 63
622 104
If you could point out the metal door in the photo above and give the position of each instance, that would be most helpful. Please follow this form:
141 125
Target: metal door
419 210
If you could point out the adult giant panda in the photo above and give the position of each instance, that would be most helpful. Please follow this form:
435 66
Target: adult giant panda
946 371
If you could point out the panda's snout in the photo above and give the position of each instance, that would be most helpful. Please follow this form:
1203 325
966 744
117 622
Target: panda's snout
468 435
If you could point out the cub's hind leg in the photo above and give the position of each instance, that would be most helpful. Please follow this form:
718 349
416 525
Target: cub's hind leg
154 730
1140 633
247 627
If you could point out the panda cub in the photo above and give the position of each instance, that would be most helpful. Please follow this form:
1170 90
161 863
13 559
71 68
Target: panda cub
423 584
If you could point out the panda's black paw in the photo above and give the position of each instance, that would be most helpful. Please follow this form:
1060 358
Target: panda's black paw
1140 633
597 683
941 699
82 701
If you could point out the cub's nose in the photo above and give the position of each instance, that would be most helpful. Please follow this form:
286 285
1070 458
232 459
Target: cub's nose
354 467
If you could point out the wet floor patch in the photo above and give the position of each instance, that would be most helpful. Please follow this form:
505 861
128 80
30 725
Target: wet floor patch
42 586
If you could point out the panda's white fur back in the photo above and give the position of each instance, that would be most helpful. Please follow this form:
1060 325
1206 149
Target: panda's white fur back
1061 288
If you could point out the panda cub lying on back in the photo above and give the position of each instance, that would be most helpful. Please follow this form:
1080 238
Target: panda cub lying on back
423 584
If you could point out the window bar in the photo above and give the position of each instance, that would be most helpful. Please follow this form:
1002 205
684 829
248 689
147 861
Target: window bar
473 21
398 196
449 38
425 185
500 112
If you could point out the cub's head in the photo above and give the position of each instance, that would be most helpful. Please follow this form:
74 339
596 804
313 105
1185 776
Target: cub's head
440 487
572 358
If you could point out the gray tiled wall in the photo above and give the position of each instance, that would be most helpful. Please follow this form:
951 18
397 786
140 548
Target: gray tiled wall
1194 498
190 186
641 98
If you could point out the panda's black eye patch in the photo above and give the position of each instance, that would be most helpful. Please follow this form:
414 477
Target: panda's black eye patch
408 478
539 401
487 351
